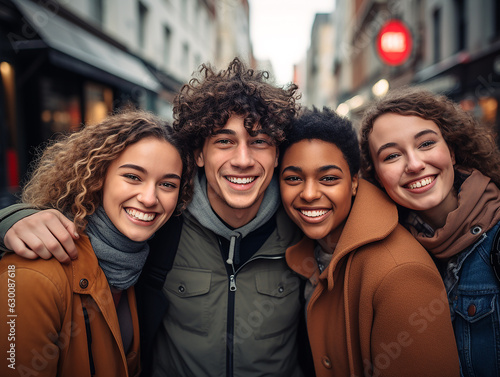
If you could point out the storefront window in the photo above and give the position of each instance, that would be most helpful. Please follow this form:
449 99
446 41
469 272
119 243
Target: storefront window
9 133
98 102
484 109
60 107
488 107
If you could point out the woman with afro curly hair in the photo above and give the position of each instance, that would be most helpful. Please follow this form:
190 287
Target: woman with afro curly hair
442 168
119 181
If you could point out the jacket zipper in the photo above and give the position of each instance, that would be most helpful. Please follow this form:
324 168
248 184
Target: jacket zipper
230 304
232 277
89 340
232 283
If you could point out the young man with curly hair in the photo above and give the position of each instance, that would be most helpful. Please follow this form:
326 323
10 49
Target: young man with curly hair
233 304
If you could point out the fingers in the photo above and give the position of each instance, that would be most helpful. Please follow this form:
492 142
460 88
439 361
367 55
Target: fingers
12 242
66 238
44 234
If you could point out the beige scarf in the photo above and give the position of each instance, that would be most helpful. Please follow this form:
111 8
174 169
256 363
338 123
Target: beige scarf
478 205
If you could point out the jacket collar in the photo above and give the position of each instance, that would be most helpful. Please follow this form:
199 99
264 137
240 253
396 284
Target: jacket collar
88 279
86 268
373 217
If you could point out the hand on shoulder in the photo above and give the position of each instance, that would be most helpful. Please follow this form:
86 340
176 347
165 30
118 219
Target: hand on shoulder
44 234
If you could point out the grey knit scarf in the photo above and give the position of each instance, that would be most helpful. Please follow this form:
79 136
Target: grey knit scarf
120 258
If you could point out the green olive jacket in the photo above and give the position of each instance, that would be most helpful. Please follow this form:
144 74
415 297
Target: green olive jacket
223 323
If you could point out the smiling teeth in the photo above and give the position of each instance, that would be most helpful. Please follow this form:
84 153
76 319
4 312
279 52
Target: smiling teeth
314 213
140 215
240 181
422 183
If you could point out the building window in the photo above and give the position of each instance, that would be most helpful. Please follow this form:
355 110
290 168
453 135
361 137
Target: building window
185 57
197 60
143 13
167 43
97 11
184 10
436 21
198 22
461 25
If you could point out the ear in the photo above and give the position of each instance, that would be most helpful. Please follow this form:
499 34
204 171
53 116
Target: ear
452 153
277 157
354 183
198 156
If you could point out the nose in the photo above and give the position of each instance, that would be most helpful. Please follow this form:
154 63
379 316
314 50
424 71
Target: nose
414 163
147 196
243 157
310 192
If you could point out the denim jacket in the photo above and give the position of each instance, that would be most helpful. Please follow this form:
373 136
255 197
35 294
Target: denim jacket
473 293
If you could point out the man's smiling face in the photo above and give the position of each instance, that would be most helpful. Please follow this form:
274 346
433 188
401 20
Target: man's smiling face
239 168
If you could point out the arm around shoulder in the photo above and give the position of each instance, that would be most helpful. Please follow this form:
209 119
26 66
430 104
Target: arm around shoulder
42 234
11 215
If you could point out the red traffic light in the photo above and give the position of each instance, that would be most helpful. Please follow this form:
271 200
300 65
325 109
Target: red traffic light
394 43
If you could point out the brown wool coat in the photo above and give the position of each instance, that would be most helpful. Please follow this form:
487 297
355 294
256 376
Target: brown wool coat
48 301
380 307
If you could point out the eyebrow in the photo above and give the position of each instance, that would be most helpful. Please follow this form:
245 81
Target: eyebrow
297 169
223 131
417 135
226 131
142 170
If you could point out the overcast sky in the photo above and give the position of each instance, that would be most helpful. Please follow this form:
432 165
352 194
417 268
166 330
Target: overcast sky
281 31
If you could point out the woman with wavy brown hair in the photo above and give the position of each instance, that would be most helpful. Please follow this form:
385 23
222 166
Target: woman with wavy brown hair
119 181
443 170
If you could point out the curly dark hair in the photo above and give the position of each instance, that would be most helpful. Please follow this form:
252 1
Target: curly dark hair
207 102
474 145
328 126
69 173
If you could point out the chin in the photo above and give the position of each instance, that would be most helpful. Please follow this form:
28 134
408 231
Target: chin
314 234
139 237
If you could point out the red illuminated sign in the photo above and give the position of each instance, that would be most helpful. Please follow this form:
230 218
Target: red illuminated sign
394 43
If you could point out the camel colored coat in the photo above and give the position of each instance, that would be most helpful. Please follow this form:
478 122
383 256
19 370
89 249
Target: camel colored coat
48 333
380 306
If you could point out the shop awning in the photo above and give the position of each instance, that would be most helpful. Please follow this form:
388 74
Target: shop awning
78 45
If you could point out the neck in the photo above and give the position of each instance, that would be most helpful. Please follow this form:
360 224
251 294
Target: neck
329 243
436 217
236 217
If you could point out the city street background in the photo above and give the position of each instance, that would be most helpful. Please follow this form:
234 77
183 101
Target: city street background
67 63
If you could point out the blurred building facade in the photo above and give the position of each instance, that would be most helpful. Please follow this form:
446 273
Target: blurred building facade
233 28
455 51
319 81
69 62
